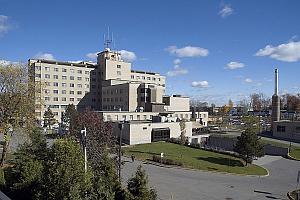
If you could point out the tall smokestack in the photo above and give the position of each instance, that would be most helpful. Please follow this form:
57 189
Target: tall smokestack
275 101
276 82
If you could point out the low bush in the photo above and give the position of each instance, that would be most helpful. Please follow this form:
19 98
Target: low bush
166 161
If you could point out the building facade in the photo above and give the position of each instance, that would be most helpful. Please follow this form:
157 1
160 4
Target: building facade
120 94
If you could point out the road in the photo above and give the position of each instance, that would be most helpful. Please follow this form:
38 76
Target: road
183 184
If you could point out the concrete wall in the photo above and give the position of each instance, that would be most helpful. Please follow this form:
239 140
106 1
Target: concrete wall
276 151
289 130
140 133
177 103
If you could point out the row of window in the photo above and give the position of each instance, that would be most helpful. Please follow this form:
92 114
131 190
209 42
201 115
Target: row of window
65 92
116 99
144 78
72 78
62 99
56 84
114 91
56 69
128 117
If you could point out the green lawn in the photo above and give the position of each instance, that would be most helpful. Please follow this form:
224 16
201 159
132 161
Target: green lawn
194 158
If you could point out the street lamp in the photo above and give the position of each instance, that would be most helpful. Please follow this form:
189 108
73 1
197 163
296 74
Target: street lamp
121 126
83 134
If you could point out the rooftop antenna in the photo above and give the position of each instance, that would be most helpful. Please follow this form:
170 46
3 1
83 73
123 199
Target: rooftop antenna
107 41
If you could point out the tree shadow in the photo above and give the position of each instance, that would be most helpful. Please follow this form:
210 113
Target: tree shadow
222 161
145 152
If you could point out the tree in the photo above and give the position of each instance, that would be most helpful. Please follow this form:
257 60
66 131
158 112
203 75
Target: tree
69 118
49 119
64 175
28 166
248 146
260 101
182 131
138 186
16 103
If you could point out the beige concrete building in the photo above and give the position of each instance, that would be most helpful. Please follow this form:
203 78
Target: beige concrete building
286 129
124 96
61 84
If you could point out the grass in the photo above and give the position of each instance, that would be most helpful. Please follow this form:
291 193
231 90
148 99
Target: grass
194 158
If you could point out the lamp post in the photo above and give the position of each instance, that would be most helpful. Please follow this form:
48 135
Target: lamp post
83 134
121 126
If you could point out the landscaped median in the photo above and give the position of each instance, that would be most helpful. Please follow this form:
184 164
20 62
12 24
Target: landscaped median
193 158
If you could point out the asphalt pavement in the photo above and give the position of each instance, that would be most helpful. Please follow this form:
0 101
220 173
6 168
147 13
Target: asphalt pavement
172 183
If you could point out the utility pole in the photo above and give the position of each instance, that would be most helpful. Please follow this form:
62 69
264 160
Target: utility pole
121 125
83 134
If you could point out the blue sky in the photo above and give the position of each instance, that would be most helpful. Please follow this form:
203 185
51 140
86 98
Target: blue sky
209 50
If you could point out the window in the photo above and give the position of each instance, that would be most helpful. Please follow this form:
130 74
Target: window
79 92
55 113
143 77
56 69
116 99
55 91
47 69
64 92
87 79
158 79
72 78
54 106
138 117
93 86
145 117
38 75
79 85
64 85
132 76
79 78
71 92
280 128
78 99
47 91
72 99
87 86
112 99
48 83
47 75
55 76
64 70
55 98
47 98
121 99
131 117
87 72
119 66
119 73
153 78
72 70
148 78
55 84
93 79
64 77
38 68
137 77
85 92
71 84
124 117
121 90
79 71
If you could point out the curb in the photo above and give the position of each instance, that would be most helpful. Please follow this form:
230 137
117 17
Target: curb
289 196
209 171
292 158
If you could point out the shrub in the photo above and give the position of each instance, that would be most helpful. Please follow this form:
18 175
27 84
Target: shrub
166 161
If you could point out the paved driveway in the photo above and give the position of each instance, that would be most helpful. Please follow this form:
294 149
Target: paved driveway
187 184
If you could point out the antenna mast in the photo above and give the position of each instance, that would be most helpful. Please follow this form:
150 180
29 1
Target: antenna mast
107 41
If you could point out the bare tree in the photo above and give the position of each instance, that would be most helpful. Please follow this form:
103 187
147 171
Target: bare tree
16 102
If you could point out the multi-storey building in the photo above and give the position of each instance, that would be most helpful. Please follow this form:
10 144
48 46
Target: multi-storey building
117 92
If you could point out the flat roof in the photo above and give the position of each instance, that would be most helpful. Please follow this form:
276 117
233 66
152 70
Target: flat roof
84 64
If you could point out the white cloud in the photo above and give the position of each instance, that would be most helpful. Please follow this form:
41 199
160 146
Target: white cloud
177 71
128 56
4 25
226 11
92 55
45 56
200 84
289 52
248 80
188 51
7 62
235 65
177 61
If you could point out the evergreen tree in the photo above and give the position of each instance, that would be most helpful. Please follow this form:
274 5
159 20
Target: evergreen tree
64 176
249 146
28 166
138 186
49 119
69 119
